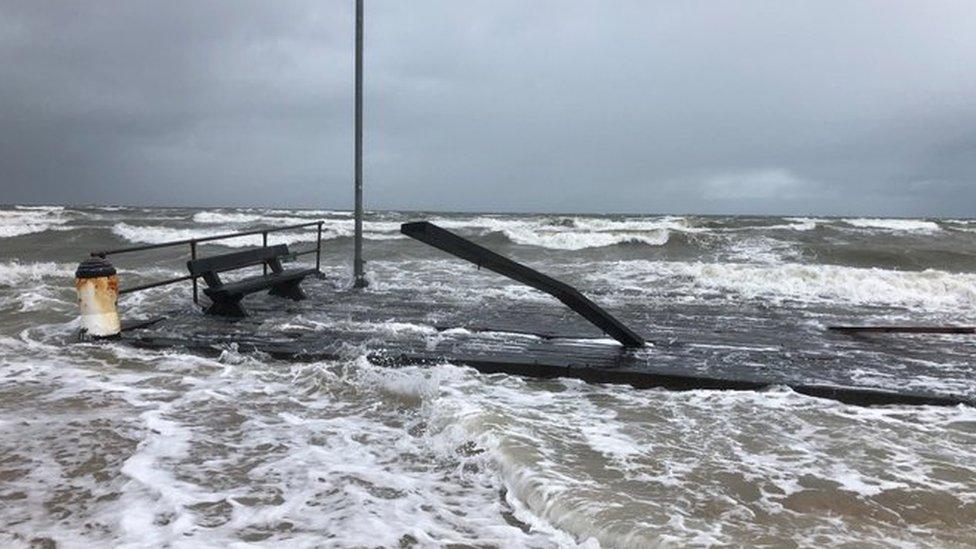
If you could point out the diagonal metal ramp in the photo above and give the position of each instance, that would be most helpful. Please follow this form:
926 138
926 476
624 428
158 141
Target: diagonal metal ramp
453 244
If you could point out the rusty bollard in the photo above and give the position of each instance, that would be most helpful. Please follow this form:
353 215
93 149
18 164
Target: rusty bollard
98 296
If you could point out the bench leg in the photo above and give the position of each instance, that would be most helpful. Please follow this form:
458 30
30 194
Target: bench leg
292 290
230 308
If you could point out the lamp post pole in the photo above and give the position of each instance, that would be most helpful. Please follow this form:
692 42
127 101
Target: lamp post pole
359 275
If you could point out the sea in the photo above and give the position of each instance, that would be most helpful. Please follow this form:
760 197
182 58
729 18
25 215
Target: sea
108 444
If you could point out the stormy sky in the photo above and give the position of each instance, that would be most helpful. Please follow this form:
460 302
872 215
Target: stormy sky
819 107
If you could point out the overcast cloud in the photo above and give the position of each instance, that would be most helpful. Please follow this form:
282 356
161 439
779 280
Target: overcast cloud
817 107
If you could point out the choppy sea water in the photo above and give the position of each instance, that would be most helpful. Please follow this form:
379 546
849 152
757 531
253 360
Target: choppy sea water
112 445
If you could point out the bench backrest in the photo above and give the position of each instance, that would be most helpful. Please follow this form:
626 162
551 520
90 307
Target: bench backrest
227 262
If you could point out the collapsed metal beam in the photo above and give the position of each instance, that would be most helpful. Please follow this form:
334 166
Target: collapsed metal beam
453 244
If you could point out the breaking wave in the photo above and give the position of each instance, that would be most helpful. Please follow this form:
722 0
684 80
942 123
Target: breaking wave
572 233
39 208
15 273
216 217
582 240
927 290
566 232
24 220
909 225
145 447
158 235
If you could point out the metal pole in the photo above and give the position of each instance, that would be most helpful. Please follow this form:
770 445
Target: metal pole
193 255
318 250
359 277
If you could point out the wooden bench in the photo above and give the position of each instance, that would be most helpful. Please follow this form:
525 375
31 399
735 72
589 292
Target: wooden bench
226 297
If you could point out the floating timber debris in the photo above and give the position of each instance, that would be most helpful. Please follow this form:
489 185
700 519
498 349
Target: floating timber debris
453 244
904 329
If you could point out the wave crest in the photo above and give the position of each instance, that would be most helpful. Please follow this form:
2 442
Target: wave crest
908 225
14 273
583 240
24 220
820 284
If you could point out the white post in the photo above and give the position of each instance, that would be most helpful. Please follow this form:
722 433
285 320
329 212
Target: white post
98 296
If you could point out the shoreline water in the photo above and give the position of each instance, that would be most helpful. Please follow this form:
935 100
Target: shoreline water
113 445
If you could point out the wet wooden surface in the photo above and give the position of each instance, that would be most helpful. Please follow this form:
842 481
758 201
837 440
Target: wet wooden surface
691 346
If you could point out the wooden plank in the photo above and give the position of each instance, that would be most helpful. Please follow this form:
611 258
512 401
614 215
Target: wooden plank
905 329
699 348
453 244
553 366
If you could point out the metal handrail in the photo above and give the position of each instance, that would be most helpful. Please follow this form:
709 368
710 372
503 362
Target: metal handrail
224 236
192 242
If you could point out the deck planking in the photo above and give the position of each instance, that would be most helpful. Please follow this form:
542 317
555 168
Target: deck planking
690 346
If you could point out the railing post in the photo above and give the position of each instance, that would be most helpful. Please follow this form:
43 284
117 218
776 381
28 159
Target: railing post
264 243
318 249
193 255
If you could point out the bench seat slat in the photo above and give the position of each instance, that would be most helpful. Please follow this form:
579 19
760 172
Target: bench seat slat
257 283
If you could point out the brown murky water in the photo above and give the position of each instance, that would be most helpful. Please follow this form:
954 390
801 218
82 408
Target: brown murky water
114 446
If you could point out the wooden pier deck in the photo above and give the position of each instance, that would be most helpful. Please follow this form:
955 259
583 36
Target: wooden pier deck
690 346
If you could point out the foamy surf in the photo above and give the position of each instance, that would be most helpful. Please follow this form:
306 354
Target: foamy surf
109 445
16 273
142 234
910 225
580 240
30 220
816 284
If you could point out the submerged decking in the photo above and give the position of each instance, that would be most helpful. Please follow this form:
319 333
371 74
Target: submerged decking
691 346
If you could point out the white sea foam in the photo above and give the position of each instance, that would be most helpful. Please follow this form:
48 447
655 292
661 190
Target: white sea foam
650 224
118 446
572 233
26 220
759 249
907 225
241 451
762 455
311 469
106 208
220 217
582 232
156 234
231 219
301 213
768 279
566 240
15 273
7 231
965 225
929 289
565 233
802 223
39 208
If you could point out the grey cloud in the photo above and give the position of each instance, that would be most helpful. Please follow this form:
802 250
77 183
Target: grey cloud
808 108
